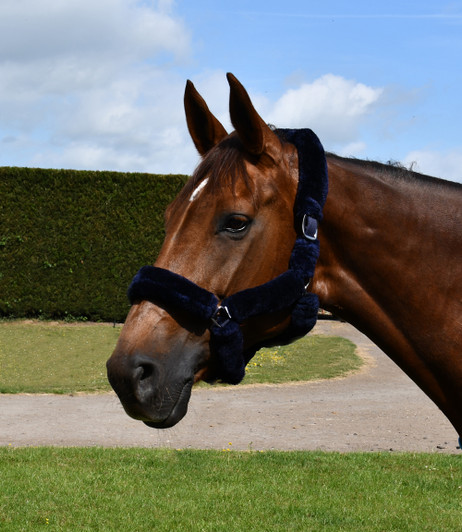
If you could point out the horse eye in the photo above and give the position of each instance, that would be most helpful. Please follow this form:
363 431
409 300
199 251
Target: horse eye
236 223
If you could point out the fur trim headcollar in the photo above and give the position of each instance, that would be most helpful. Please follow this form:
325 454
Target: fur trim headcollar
287 291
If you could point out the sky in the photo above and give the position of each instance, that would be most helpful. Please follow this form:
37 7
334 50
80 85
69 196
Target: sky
99 85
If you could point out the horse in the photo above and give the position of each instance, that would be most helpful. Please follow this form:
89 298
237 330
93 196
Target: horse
390 263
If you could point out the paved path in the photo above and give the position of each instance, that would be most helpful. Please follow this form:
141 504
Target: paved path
378 409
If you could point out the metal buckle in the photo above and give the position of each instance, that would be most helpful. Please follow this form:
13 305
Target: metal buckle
309 227
221 313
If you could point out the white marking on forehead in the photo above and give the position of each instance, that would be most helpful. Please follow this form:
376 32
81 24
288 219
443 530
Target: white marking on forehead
198 189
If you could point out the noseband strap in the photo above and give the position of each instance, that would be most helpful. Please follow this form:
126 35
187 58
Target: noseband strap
288 291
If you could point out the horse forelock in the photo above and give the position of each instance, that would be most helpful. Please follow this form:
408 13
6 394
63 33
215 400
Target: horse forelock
223 166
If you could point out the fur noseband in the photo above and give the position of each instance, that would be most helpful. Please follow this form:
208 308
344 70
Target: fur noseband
287 291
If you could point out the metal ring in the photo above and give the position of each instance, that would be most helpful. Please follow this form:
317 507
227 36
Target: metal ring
221 312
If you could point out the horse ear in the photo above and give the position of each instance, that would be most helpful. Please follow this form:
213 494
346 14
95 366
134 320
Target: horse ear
254 133
204 128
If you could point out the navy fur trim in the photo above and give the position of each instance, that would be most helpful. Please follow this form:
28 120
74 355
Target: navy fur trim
170 290
228 344
275 295
312 167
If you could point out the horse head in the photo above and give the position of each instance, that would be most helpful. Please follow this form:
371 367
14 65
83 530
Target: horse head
230 229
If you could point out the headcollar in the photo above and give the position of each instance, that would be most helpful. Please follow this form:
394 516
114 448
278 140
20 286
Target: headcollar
175 293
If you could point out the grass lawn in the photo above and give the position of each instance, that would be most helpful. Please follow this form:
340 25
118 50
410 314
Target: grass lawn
310 358
168 490
45 357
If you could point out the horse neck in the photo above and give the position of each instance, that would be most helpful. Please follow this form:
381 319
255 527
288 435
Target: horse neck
383 236
390 264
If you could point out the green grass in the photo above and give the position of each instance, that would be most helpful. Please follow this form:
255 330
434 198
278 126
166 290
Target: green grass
312 357
44 357
168 490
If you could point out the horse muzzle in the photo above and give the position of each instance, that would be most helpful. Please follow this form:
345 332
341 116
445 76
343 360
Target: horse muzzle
149 390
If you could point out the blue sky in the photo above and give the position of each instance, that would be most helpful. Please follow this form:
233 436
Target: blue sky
99 85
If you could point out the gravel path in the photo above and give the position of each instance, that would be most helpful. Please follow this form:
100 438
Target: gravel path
377 409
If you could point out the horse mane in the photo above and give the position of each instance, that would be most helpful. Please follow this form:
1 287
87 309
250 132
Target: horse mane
396 170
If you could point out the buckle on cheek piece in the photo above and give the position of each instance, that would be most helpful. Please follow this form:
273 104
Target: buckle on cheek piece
221 316
309 227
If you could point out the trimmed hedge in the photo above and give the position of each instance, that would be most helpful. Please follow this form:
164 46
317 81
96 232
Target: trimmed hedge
71 241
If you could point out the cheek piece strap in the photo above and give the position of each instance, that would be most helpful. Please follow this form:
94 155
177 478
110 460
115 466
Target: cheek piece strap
288 291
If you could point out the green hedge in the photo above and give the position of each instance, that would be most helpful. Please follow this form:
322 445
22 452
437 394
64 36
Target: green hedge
70 241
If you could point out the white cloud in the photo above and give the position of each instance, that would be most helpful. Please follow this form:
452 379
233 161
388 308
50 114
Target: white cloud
88 84
332 106
31 30
135 124
446 164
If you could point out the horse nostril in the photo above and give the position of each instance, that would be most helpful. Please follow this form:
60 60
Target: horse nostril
144 376
144 371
